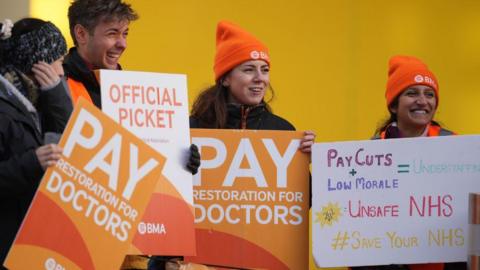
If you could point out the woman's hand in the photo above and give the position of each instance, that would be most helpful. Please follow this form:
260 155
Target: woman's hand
45 75
48 155
307 141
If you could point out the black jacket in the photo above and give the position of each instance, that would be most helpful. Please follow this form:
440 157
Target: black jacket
20 170
250 117
76 68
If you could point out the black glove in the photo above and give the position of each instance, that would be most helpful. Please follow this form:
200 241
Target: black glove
194 159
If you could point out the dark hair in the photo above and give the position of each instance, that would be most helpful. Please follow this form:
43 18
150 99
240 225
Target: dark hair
89 13
391 119
210 107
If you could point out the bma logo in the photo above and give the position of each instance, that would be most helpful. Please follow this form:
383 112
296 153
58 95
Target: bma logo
419 79
424 79
264 55
151 228
258 55
51 264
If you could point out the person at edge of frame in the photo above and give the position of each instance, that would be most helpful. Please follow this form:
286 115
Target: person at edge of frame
34 107
412 97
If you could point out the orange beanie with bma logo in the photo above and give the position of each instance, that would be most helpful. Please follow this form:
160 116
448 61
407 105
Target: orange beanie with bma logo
405 71
235 46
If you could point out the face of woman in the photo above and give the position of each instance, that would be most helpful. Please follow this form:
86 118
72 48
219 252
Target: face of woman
248 82
416 107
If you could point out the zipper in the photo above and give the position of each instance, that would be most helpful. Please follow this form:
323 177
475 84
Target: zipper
244 110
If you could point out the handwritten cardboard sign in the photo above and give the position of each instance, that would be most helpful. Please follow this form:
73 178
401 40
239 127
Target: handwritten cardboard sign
393 201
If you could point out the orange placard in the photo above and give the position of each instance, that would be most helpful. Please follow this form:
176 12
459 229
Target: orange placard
251 199
87 207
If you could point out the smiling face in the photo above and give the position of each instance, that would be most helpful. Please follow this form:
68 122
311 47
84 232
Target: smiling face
416 107
104 47
248 82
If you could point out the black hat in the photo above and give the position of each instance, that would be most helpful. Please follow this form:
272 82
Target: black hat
45 43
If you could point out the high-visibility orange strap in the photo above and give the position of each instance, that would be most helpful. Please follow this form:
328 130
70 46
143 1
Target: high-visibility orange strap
433 131
77 90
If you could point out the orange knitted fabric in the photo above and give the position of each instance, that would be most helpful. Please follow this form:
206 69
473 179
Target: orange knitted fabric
405 71
235 46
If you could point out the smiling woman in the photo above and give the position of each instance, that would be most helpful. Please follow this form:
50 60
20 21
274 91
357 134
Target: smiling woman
242 78
248 82
415 110
412 99
236 100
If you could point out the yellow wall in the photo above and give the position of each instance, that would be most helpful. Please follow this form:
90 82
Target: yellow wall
54 11
329 58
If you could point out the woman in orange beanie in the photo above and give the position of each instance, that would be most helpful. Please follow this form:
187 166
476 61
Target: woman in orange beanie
412 99
236 100
242 76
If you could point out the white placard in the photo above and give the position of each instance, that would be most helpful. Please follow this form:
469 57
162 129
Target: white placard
154 106
393 201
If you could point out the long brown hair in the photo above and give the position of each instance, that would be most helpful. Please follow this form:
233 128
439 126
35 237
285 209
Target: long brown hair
210 107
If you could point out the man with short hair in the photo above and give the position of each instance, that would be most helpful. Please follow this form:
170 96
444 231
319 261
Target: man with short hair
99 29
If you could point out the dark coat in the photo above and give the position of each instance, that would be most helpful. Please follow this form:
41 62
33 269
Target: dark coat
20 170
76 68
247 117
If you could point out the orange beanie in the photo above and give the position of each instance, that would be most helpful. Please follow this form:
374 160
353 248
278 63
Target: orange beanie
235 46
405 71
